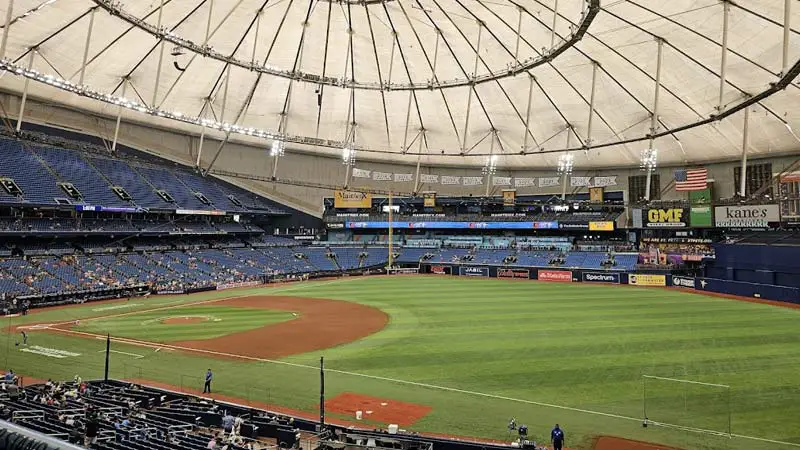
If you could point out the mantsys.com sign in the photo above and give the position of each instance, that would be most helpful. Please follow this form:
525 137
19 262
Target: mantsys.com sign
665 218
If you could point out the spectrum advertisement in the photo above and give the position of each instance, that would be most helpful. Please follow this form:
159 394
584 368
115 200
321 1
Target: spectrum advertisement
460 225
600 277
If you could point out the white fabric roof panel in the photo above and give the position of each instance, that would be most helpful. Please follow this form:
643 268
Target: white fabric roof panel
422 48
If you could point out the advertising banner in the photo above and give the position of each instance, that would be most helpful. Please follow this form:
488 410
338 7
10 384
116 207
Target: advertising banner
224 286
641 279
474 271
457 225
665 218
440 270
596 195
573 226
564 276
684 282
746 216
601 226
513 273
700 217
352 199
600 277
701 197
509 197
429 199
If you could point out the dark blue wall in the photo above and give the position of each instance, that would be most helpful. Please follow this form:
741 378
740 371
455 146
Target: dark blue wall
763 264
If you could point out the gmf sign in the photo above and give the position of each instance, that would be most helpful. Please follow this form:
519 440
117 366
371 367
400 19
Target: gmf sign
665 218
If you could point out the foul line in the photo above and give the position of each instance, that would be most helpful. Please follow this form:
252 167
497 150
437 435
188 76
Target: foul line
393 380
135 355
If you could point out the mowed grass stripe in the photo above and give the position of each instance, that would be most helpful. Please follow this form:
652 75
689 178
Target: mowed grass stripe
219 321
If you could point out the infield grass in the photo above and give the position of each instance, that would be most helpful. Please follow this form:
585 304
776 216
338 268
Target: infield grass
481 351
216 321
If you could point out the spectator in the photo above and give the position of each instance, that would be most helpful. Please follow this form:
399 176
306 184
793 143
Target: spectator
557 438
227 423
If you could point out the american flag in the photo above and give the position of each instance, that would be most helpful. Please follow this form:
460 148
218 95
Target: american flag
691 179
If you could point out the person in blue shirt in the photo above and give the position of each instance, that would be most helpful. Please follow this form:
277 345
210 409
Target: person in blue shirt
557 438
207 386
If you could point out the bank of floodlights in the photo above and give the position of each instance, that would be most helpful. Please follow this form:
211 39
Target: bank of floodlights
490 167
278 148
348 156
565 163
649 160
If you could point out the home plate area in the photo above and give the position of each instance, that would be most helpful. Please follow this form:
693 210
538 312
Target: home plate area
377 409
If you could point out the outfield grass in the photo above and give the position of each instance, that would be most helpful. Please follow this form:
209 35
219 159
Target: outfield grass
531 348
217 321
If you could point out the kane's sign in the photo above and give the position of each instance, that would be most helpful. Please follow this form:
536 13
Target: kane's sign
746 216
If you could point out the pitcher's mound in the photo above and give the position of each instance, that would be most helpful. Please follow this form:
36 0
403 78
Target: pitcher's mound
183 320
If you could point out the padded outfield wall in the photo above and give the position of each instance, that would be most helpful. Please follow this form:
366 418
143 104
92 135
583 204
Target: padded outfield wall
759 291
762 264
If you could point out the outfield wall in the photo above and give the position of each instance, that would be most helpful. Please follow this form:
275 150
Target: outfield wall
649 279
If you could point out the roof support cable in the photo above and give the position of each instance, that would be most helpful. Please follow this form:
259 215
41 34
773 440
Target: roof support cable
654 119
471 89
21 115
526 132
160 56
745 144
119 118
787 27
724 56
9 15
86 45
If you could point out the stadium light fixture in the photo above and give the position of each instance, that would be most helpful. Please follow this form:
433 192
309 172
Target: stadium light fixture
278 148
565 163
491 165
649 160
348 156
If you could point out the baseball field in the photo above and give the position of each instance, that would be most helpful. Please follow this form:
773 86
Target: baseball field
455 356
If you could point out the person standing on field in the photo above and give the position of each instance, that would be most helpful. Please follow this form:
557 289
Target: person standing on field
207 386
557 438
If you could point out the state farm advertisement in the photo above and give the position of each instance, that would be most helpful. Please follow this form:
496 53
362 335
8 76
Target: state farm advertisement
513 273
440 270
564 276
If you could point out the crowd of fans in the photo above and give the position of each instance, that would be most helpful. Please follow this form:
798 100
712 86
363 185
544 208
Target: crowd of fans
95 414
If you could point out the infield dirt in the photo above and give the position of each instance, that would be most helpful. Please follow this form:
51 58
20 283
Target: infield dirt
319 324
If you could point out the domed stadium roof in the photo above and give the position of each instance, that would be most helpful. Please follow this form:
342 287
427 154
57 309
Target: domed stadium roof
454 80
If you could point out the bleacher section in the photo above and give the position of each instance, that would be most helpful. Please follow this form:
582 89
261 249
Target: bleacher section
188 265
126 416
38 171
